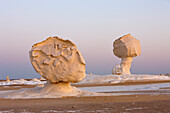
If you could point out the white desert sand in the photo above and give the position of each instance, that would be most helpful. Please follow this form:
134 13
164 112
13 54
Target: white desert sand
106 83
95 80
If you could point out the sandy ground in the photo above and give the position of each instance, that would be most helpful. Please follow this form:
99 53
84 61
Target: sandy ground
111 104
148 103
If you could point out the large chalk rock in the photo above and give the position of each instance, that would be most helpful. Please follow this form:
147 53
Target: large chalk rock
126 48
58 60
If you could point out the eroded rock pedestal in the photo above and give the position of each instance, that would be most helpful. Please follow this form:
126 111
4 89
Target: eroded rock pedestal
126 48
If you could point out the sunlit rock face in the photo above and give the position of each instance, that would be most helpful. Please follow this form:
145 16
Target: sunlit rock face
58 60
126 48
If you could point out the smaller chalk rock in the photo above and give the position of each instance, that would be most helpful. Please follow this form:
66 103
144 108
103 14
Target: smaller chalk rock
117 70
126 48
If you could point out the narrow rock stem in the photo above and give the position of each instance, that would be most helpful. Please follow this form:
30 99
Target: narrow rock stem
126 64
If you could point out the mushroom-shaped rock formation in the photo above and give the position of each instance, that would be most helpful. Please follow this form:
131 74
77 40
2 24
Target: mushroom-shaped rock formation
59 61
126 48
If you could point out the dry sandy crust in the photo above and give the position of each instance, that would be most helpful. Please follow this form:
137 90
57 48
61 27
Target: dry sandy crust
15 87
104 104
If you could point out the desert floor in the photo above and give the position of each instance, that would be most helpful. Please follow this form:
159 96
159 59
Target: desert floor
138 103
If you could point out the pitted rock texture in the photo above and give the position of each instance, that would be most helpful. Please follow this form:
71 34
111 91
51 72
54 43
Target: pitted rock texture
58 60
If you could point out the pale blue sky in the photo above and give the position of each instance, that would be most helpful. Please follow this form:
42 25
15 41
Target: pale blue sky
92 25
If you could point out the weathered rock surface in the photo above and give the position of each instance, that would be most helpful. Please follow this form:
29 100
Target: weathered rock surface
58 60
117 70
126 48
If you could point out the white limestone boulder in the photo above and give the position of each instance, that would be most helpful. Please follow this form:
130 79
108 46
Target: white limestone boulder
58 60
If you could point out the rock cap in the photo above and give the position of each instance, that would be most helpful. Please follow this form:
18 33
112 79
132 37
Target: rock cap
127 46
